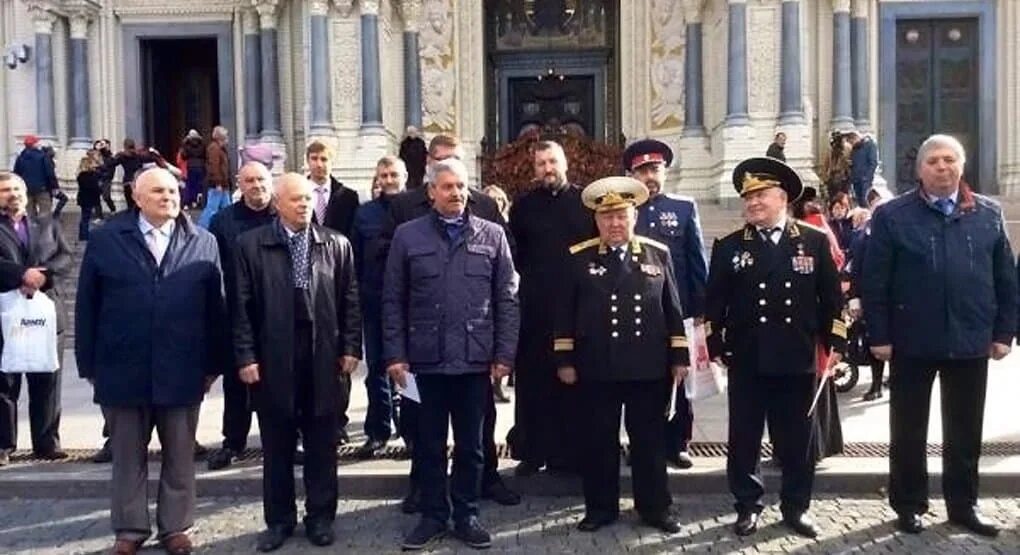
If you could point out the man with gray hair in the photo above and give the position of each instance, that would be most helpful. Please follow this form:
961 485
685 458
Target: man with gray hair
940 294
450 318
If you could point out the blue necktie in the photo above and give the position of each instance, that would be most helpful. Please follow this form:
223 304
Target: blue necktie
945 205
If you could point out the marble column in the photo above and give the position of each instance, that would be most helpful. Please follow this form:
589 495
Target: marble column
252 78
81 129
270 72
791 104
412 63
45 122
736 82
694 103
859 64
371 76
321 104
842 107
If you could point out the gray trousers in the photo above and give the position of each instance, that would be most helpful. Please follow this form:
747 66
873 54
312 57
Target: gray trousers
130 431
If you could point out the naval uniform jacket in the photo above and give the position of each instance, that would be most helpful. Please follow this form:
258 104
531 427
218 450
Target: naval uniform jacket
769 306
619 321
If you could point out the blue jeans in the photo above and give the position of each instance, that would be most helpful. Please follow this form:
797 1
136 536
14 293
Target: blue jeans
459 400
377 382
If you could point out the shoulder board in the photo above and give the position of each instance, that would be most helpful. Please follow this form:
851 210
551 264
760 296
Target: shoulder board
651 242
578 247
804 224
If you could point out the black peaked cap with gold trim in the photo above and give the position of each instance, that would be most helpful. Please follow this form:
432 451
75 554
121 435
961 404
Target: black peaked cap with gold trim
755 174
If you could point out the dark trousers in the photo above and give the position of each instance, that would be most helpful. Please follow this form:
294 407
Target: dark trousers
962 383
545 416
680 428
642 405
106 189
377 382
83 221
237 412
457 401
43 410
279 440
784 402
127 196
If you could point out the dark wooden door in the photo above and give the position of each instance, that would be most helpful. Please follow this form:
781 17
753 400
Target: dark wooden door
936 90
556 104
182 91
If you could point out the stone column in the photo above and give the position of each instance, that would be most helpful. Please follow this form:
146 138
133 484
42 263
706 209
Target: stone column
371 77
694 103
270 71
859 64
321 106
45 122
842 108
252 77
736 82
791 105
412 63
81 128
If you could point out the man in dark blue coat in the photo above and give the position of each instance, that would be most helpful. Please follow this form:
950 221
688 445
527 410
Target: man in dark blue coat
863 164
673 221
151 337
940 298
36 169
450 317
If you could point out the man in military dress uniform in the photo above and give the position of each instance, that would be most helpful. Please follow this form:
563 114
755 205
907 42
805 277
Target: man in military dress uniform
544 223
673 221
773 298
619 339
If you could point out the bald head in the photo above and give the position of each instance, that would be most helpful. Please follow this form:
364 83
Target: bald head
157 195
293 193
254 181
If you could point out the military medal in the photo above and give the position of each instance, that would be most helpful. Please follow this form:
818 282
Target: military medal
742 260
803 264
651 269
668 219
596 270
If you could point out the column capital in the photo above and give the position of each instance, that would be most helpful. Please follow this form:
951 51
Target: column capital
345 7
267 12
839 6
318 7
42 18
79 24
860 8
369 7
693 10
411 11
250 22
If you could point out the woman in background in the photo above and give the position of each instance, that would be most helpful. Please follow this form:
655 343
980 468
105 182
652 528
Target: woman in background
89 190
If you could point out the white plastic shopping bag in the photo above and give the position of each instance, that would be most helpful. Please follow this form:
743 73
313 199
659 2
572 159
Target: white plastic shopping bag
29 328
705 378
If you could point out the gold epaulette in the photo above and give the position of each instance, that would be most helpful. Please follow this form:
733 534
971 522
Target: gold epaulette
578 247
647 241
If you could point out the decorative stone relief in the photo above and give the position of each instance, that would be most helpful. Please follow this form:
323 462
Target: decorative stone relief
666 66
369 7
763 61
411 12
346 60
267 12
345 7
438 66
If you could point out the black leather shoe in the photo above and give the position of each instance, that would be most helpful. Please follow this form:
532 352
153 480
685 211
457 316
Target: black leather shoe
472 534
801 524
369 449
873 395
665 523
424 535
591 523
525 469
910 523
501 494
5 457
411 502
320 532
747 523
54 455
681 460
221 458
975 522
104 455
273 538
201 451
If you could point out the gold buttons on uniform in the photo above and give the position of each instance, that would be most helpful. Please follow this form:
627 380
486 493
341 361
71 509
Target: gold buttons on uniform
637 297
613 308
612 297
788 319
637 309
787 285
637 333
637 321
614 321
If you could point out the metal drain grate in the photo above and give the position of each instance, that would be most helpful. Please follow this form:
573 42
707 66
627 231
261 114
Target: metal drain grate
697 449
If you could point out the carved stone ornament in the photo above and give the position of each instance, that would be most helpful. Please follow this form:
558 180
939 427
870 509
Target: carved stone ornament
840 6
267 12
79 25
318 7
411 12
693 10
369 7
345 7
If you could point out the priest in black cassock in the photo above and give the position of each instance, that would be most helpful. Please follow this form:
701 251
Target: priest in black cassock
544 223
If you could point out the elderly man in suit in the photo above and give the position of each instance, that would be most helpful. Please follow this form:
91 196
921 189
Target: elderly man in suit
33 257
297 326
150 338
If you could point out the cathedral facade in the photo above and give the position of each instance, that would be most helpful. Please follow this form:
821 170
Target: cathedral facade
716 79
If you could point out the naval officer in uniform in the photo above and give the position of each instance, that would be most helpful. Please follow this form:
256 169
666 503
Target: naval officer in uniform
772 308
673 221
618 338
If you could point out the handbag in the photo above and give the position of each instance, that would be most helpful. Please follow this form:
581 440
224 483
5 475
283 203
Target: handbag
29 329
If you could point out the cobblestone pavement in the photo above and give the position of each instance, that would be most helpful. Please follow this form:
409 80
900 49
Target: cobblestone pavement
540 525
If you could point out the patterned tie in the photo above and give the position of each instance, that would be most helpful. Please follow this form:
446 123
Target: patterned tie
322 198
945 205
156 246
299 259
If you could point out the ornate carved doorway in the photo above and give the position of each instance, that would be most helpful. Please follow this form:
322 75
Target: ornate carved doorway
551 68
